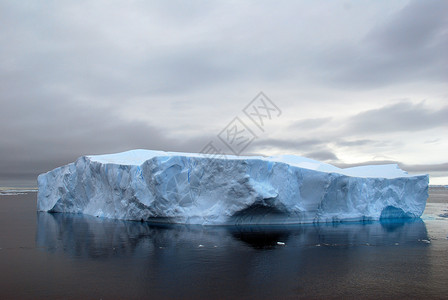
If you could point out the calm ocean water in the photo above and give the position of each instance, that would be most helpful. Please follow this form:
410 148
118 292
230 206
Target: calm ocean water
45 256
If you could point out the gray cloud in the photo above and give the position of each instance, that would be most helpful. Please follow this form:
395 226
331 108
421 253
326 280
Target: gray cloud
426 168
409 47
309 123
354 143
287 145
312 148
62 131
322 155
403 116
414 27
79 77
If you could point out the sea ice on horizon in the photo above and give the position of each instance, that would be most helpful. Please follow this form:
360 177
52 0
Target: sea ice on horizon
192 188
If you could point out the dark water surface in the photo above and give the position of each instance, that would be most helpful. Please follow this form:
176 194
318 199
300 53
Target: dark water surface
66 256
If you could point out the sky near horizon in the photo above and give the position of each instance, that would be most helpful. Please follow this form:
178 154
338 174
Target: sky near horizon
356 81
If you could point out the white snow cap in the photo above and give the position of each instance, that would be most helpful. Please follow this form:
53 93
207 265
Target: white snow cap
139 156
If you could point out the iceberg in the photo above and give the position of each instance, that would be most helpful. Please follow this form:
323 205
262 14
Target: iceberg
189 188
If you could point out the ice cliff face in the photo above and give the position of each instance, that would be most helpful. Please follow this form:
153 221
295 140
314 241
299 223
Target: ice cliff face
198 189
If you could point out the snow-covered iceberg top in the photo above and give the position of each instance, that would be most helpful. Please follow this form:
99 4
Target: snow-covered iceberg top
139 156
193 188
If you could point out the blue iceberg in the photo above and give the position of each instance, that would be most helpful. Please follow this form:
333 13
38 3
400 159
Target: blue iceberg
170 187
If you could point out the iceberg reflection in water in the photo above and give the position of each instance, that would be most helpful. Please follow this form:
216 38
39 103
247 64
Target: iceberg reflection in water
259 261
82 235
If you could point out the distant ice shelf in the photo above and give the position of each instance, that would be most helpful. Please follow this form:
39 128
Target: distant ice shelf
189 188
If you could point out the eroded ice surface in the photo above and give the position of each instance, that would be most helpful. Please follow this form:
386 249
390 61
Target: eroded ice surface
199 189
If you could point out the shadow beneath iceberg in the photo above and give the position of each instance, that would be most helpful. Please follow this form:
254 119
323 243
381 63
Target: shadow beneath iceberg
376 233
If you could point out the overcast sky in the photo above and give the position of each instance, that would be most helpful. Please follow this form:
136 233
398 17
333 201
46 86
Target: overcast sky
356 81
